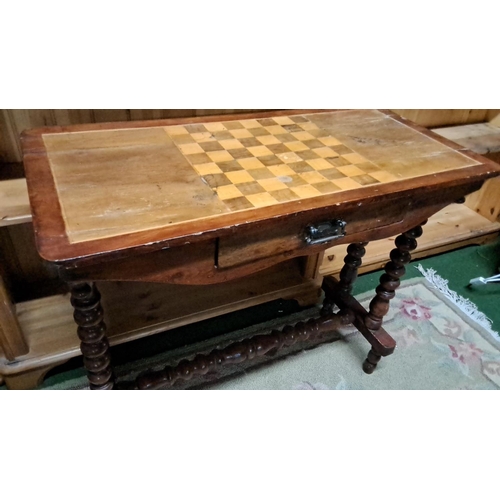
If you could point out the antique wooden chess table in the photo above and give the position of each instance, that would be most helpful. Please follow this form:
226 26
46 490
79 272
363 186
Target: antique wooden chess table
204 201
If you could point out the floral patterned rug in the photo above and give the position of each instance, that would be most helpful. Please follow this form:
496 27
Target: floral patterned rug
438 347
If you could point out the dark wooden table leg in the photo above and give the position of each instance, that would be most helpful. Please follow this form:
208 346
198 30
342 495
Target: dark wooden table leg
386 291
88 314
352 262
348 275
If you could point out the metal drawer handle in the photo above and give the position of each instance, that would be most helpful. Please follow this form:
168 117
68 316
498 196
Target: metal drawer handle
325 231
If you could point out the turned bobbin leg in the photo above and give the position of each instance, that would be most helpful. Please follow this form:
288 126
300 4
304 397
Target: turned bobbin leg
88 315
348 275
352 262
386 291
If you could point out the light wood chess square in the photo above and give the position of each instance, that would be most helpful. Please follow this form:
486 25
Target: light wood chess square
215 127
346 183
191 149
281 170
326 152
313 177
250 163
276 130
305 191
218 156
303 136
250 123
268 139
260 151
319 164
272 184
261 199
240 133
228 192
231 144
296 146
350 170
283 120
208 168
290 157
239 177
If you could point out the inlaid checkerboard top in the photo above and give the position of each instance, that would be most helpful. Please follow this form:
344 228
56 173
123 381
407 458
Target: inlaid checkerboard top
119 181
261 162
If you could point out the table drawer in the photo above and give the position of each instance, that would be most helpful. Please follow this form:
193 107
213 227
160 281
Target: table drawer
306 233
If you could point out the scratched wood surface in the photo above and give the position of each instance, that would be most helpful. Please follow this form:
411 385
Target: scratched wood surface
116 182
94 183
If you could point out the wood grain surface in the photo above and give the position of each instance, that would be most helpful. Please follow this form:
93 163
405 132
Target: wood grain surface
414 159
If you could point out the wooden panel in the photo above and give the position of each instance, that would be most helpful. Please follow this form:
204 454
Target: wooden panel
10 147
14 121
443 117
72 116
486 201
159 114
111 115
14 202
493 117
12 341
26 274
483 138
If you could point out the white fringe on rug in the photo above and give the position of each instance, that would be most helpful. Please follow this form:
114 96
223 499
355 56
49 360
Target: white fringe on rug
465 305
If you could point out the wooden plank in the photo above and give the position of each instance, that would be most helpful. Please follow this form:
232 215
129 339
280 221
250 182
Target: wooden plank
111 115
486 201
14 202
13 122
73 116
26 274
10 147
160 114
443 117
12 340
134 311
482 138
453 227
493 117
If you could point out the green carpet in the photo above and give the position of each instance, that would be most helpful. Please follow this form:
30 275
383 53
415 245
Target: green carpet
458 267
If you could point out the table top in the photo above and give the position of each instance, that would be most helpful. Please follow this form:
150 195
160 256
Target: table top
111 187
